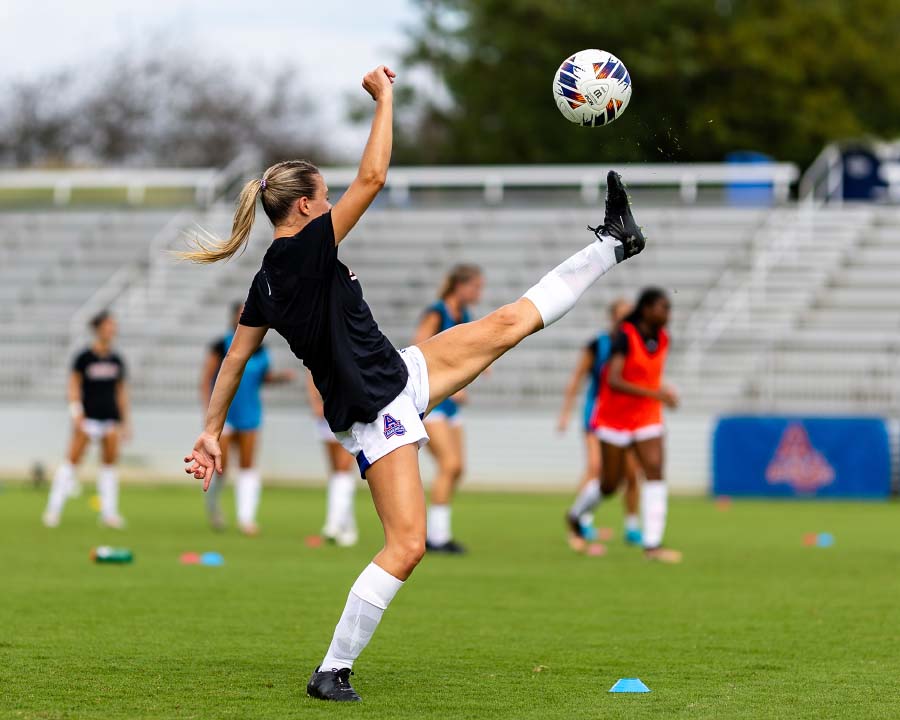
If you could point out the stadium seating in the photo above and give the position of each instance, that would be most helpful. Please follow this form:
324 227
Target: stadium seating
792 308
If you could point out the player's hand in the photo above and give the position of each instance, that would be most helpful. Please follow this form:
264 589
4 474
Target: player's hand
563 423
461 397
205 459
125 432
668 396
378 82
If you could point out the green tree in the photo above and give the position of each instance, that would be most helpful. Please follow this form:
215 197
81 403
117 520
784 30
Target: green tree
779 76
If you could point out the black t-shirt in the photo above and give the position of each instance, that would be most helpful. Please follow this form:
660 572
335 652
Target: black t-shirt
316 303
620 342
100 376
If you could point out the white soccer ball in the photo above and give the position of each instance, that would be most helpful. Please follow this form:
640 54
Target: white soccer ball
592 88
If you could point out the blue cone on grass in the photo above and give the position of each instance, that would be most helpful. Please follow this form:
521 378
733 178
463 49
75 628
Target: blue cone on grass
629 685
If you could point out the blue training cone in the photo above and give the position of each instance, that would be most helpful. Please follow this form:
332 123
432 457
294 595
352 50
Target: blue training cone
629 685
212 558
825 540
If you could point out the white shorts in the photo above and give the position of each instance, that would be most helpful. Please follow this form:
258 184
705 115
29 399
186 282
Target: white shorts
398 423
98 429
323 432
624 438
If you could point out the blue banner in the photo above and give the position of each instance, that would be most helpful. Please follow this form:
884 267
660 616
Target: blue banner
822 457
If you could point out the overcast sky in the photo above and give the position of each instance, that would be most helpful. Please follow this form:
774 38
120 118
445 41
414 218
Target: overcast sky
333 42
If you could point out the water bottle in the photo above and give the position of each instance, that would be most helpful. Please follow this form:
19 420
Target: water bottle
107 554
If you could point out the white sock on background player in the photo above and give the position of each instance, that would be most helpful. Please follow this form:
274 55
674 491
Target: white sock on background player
369 598
559 290
108 490
632 523
438 526
60 488
654 507
339 512
247 491
587 499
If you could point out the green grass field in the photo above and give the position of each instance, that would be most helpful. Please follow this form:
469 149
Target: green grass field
752 625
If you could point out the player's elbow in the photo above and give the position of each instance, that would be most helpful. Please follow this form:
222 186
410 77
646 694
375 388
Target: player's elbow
373 179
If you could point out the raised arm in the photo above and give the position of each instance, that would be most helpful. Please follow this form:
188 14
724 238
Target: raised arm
206 457
585 360
373 167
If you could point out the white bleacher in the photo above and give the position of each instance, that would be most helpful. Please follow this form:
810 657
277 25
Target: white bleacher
794 309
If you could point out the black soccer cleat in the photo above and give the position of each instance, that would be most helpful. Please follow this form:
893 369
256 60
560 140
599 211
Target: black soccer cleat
332 685
574 526
451 547
618 222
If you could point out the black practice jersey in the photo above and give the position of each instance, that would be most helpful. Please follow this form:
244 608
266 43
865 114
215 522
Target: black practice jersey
100 376
316 303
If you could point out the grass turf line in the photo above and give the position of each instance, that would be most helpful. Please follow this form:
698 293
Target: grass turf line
752 625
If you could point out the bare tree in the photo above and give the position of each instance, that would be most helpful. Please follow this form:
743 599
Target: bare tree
167 110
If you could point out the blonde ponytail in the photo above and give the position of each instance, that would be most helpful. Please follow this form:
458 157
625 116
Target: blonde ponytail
209 249
278 188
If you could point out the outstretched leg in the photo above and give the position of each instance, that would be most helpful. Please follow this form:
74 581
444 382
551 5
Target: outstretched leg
457 356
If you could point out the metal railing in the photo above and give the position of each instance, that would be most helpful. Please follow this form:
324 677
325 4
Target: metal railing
589 180
206 184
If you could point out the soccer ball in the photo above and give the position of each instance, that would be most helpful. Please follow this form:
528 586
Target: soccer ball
592 88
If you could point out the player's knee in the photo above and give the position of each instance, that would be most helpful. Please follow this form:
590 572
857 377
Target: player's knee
508 324
453 468
409 550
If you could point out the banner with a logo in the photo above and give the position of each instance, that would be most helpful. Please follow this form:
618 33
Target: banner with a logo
801 457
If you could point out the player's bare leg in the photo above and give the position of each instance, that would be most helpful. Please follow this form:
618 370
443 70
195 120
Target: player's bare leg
400 502
457 356
654 501
108 482
631 499
64 480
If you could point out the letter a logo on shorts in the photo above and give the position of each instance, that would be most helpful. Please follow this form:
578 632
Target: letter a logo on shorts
392 426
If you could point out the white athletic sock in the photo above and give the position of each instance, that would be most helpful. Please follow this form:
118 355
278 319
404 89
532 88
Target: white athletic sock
108 489
438 525
339 512
246 495
587 499
654 506
559 290
632 523
63 480
369 597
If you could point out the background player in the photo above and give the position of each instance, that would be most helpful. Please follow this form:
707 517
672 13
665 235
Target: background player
340 516
591 363
629 414
241 426
101 411
461 289
374 395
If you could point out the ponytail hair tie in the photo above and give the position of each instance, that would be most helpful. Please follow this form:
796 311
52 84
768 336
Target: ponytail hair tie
262 184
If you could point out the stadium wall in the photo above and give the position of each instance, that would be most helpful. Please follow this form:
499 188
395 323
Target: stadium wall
514 451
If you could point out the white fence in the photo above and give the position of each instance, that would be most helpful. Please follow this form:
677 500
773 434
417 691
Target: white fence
207 184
